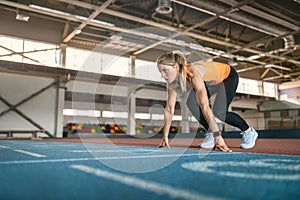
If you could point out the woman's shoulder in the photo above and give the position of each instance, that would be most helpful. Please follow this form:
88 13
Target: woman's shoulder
196 67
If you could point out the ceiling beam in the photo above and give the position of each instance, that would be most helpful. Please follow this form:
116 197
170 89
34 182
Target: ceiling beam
206 21
190 34
264 15
151 23
88 20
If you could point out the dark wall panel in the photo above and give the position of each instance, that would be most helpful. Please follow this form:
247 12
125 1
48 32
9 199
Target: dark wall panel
35 29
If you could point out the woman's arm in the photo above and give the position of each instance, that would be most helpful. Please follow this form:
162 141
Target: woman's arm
169 111
202 98
168 115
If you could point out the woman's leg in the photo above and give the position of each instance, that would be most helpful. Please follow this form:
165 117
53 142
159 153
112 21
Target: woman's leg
225 92
224 96
210 141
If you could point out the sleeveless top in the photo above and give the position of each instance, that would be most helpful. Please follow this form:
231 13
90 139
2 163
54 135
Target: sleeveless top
212 71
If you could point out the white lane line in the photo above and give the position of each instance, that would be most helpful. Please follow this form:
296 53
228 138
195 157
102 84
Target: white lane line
53 145
112 151
94 158
30 153
150 186
45 161
278 169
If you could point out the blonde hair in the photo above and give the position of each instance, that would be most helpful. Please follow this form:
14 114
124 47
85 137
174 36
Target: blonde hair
172 58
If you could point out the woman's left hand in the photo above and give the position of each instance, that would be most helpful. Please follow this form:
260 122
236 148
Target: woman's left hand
164 143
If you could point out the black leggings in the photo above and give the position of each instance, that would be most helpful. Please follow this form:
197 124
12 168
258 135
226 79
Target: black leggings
225 91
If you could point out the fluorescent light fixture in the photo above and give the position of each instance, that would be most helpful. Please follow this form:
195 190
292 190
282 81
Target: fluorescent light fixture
177 118
48 10
141 116
85 113
254 57
53 11
22 16
157 117
102 23
194 7
110 114
116 37
77 31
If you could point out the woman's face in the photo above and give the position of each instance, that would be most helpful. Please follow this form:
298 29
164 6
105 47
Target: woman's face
169 73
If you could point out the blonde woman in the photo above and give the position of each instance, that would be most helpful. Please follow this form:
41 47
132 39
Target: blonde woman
203 79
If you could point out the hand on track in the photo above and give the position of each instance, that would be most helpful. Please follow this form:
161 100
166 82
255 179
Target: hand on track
164 143
220 145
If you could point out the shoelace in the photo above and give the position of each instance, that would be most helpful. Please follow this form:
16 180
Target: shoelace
208 137
246 136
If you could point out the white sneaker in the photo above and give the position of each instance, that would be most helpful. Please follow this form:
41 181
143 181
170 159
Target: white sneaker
209 141
248 139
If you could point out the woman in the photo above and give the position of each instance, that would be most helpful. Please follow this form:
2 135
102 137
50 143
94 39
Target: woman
204 79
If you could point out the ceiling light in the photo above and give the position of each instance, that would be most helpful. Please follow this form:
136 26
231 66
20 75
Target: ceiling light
254 57
164 7
77 31
22 16
116 37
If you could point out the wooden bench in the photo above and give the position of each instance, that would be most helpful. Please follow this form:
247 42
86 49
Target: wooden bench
10 133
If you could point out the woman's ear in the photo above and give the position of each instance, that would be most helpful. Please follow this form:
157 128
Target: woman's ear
176 66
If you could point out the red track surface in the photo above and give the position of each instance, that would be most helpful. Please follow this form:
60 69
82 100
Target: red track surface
268 146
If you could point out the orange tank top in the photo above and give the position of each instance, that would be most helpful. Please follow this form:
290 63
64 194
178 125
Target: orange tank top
212 71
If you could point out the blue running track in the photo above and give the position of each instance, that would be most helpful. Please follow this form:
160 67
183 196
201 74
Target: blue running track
41 170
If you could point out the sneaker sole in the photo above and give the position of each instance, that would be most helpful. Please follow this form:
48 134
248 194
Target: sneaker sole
252 145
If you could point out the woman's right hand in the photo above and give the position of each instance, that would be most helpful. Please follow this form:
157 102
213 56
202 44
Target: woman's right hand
164 143
220 144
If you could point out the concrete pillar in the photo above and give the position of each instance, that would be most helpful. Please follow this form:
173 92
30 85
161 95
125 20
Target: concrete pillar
132 65
63 55
59 106
131 111
184 124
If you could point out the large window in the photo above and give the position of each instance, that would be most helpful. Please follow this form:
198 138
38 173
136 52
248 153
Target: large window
19 50
259 88
97 62
147 70
33 52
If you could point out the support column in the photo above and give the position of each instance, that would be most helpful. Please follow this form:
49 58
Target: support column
184 124
131 101
63 53
132 59
59 106
63 46
131 111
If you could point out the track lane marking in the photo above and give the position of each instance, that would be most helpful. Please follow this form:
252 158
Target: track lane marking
30 153
94 158
150 186
211 167
112 151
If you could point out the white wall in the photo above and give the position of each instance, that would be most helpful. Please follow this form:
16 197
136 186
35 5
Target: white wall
43 109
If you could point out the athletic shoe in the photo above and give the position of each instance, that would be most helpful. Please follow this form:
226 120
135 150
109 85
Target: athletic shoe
209 141
248 139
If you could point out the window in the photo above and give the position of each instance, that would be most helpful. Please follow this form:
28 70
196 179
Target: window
26 51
